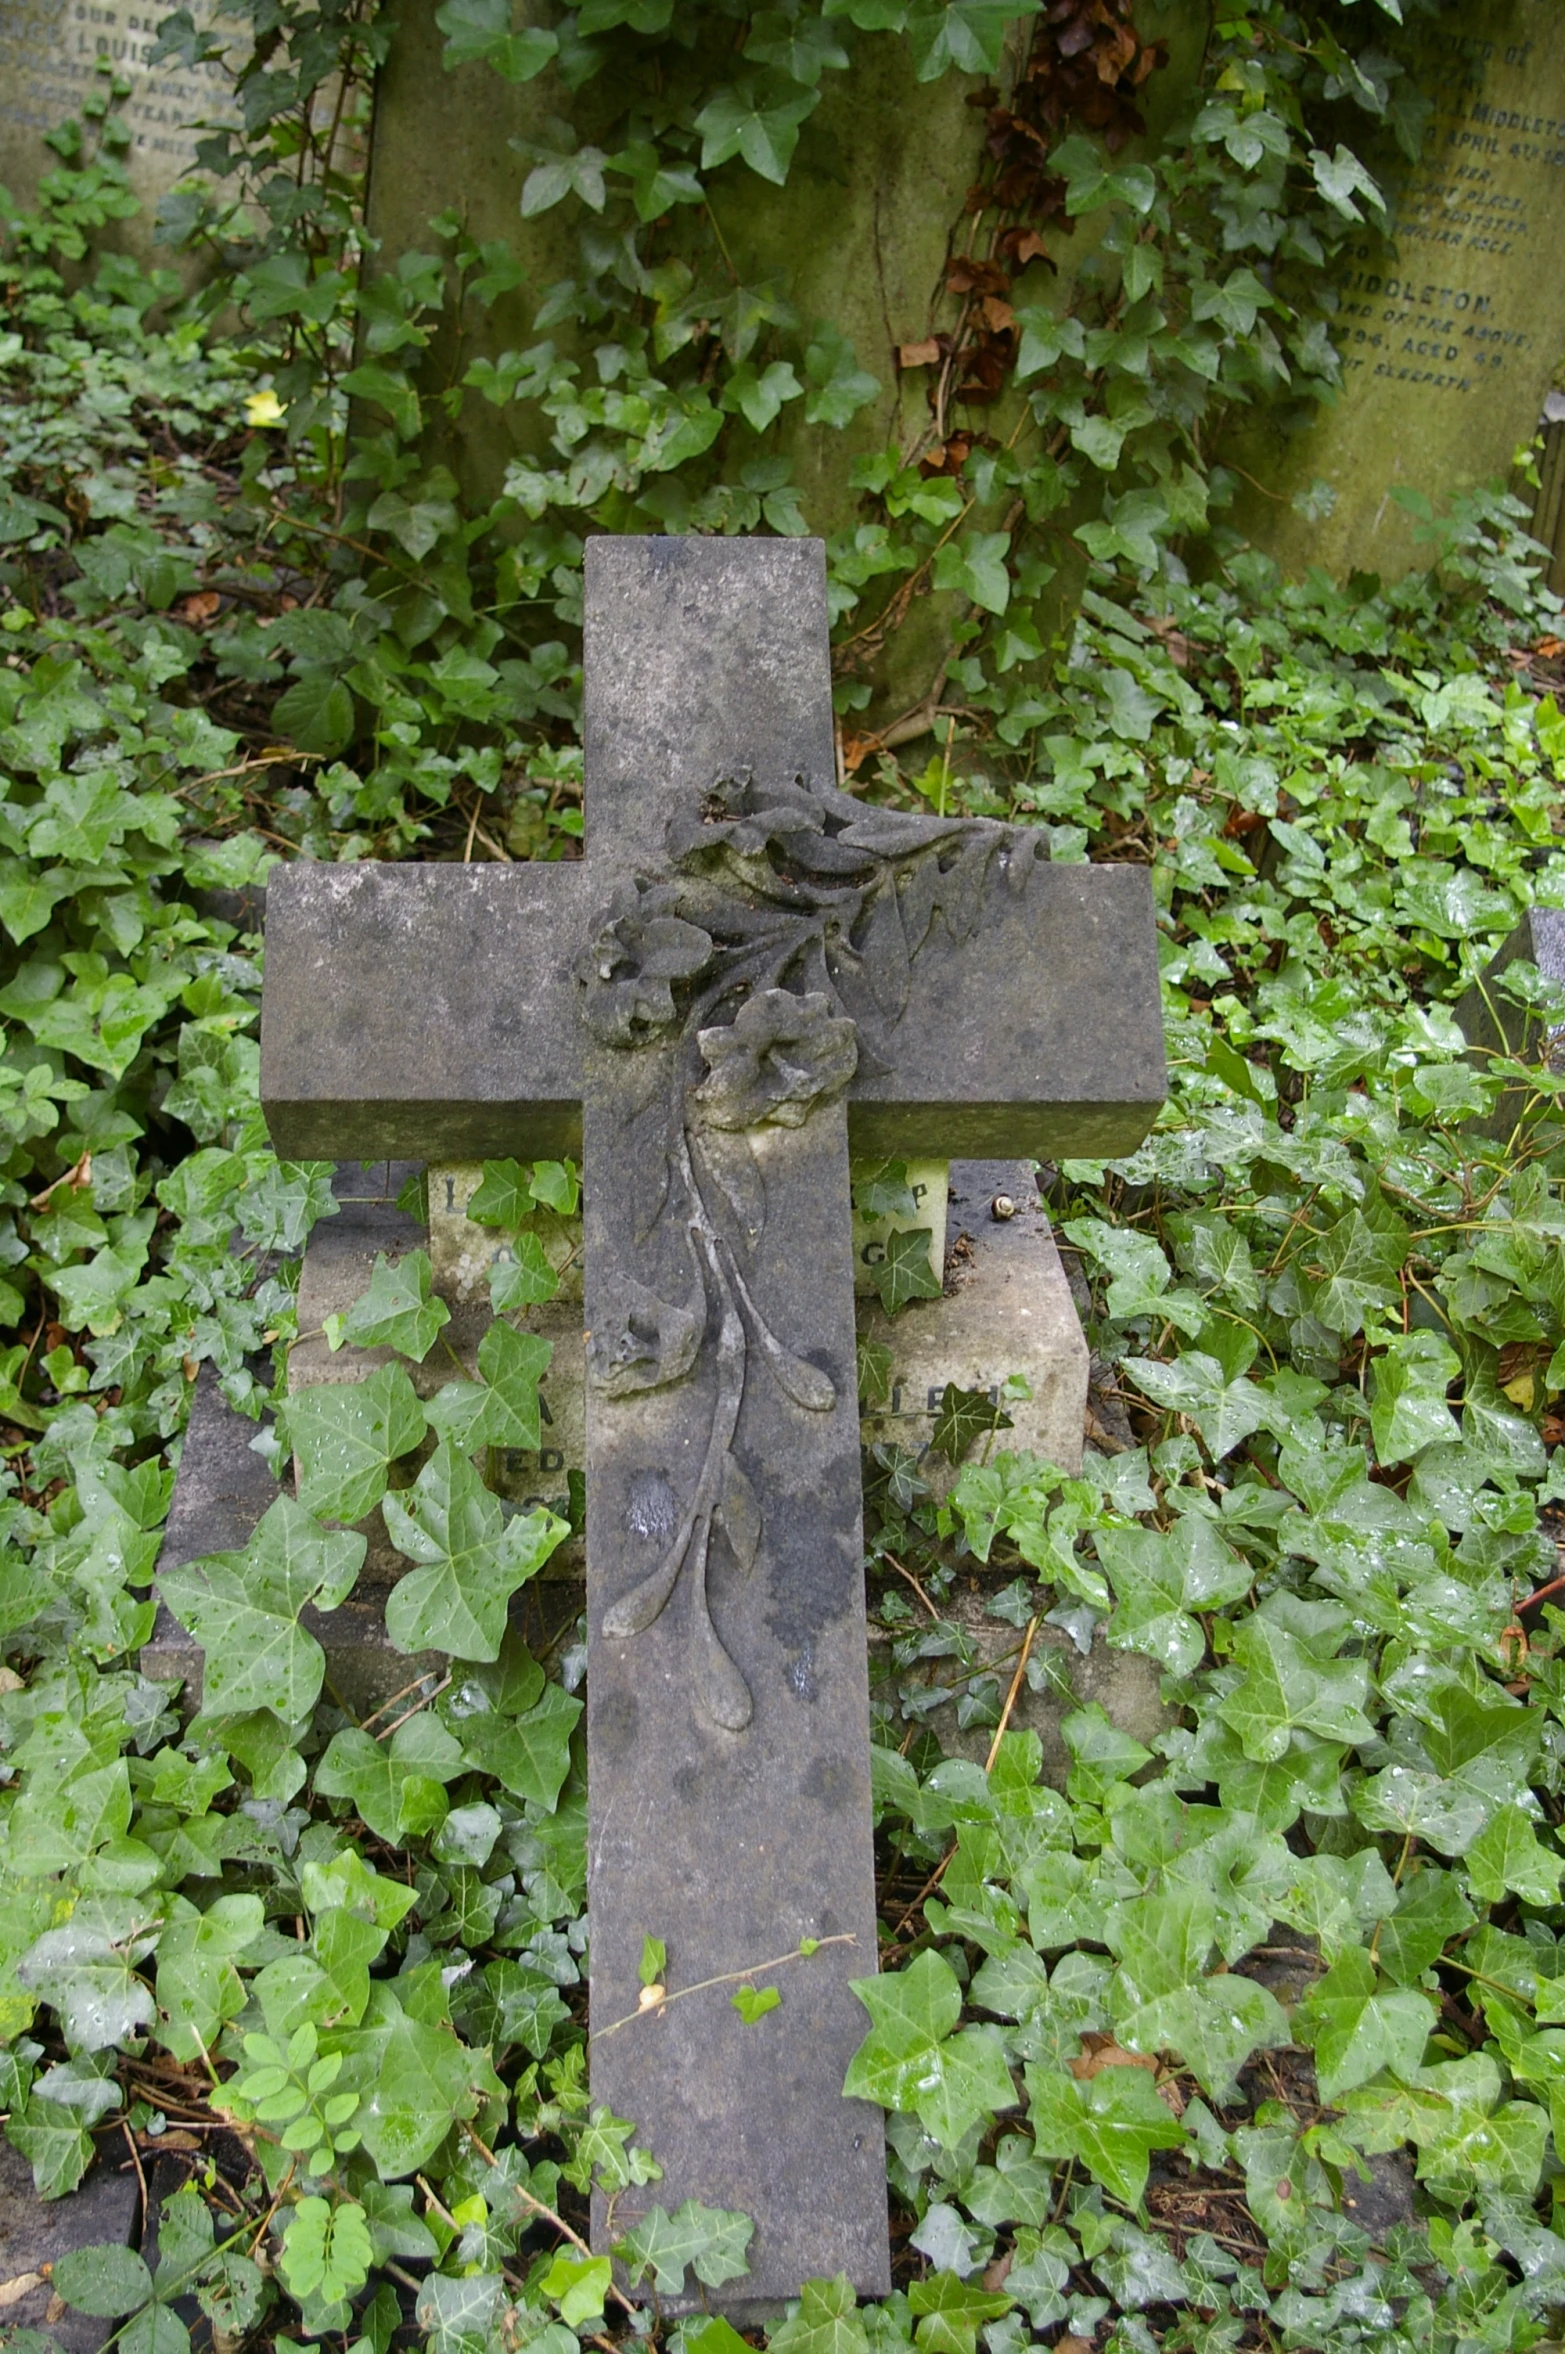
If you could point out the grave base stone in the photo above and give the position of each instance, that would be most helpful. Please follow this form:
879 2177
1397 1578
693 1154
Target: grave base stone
35 2232
1006 1309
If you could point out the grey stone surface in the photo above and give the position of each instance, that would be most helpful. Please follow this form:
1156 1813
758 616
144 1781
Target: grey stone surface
436 1011
35 2232
1006 1309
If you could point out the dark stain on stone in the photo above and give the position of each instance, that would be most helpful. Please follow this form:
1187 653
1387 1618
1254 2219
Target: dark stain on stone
653 1509
614 1722
832 1783
812 1562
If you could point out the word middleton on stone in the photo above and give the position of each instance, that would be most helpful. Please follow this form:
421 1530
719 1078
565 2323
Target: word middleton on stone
747 968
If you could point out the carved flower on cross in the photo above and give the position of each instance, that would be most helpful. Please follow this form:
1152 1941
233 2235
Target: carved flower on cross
779 1057
642 949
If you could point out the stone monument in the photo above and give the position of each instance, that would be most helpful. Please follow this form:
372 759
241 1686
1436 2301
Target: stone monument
1452 325
746 968
49 62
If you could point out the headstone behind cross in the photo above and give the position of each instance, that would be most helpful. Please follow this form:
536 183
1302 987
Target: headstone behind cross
1450 328
49 53
746 964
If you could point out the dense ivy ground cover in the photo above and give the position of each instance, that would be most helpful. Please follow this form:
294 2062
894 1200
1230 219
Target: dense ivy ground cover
1249 2039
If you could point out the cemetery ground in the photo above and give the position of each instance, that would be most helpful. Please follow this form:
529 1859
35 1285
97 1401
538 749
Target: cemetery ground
1244 2034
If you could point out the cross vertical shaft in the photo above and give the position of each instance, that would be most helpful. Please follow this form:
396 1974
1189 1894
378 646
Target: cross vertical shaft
730 1845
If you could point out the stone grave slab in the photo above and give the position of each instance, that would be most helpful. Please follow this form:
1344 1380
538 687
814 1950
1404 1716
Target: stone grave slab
35 2232
49 51
839 969
1452 326
1059 1678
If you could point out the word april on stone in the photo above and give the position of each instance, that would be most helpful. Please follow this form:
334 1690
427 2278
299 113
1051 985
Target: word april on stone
747 969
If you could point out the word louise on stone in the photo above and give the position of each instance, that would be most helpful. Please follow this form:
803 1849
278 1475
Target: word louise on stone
747 967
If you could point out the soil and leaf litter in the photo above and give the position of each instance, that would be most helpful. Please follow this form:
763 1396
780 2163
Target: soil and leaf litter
1245 2037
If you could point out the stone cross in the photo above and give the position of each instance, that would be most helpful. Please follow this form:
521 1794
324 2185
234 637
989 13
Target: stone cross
747 969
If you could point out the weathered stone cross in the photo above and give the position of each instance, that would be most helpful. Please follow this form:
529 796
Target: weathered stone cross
746 972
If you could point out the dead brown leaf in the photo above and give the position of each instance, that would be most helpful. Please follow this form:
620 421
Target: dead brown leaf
13 2291
1101 2051
919 355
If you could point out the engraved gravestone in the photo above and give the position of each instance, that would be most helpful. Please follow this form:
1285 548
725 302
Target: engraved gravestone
747 968
49 63
1451 326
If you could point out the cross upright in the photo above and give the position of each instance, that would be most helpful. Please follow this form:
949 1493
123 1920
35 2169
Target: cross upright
748 974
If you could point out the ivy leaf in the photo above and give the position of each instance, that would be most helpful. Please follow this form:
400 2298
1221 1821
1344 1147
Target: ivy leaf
1224 1412
950 2310
1357 2030
474 1559
503 1195
199 1989
758 399
974 566
579 173
1408 1409
556 1186
656 184
905 1272
842 387
874 1366
243 1609
512 1364
521 1276
882 1190
578 2285
56 2144
961 1417
393 1793
1340 178
1508 1858
1293 1680
414 2081
480 31
399 1311
758 121
969 34
753 2002
1160 1577
345 1437
827 2321
316 712
1112 2123
713 2241
529 1751
916 2058
803 48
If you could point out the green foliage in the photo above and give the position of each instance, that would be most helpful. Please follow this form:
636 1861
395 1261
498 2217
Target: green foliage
1326 1297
